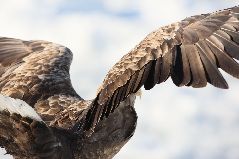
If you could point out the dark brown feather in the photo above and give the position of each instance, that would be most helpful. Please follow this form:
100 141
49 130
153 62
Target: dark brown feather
153 76
198 78
225 61
139 82
212 73
147 69
165 66
181 75
229 46
234 35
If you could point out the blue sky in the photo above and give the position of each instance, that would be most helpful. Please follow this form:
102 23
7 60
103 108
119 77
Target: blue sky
93 6
174 123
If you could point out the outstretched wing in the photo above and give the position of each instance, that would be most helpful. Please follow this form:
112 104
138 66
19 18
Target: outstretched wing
30 70
190 51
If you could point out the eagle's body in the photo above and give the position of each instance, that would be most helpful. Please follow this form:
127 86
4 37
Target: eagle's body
108 138
41 115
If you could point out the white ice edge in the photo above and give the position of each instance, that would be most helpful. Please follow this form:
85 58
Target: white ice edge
18 106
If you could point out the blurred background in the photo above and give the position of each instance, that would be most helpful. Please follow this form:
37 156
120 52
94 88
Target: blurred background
173 123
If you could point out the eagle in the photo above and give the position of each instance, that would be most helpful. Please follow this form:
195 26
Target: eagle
42 116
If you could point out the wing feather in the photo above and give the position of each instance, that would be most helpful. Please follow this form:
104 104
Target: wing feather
153 76
234 24
224 60
198 75
229 46
142 77
212 73
181 74
190 51
234 35
165 66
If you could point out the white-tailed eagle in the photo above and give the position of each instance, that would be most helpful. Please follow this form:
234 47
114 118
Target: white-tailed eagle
42 116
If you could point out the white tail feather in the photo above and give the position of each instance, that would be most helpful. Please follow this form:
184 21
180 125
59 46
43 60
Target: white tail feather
18 106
